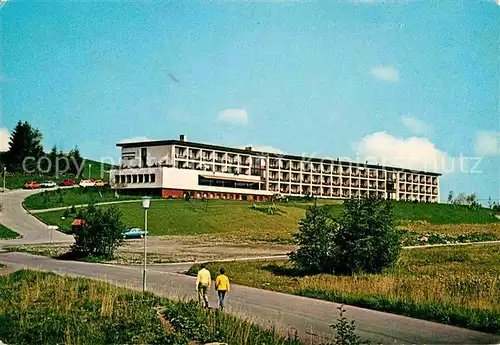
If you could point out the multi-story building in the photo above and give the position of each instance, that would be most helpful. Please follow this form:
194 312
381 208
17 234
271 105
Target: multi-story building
174 167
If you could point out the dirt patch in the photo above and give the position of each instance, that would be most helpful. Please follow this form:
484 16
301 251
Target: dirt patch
455 229
166 249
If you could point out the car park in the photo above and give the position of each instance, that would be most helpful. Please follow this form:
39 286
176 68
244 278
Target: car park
48 184
87 183
31 185
134 233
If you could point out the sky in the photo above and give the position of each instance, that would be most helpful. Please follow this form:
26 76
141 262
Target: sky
412 84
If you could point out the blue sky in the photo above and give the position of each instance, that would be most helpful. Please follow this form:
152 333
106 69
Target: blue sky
413 84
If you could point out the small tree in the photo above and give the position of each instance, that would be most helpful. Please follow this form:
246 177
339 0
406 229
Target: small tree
364 240
367 239
450 196
101 234
315 240
345 331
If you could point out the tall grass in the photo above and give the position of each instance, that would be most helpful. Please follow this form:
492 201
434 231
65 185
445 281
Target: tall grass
44 308
456 285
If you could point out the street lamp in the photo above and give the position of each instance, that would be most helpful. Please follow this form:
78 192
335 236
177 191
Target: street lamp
146 201
3 189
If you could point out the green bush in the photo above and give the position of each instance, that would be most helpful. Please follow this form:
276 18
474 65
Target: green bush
364 239
316 242
102 233
367 239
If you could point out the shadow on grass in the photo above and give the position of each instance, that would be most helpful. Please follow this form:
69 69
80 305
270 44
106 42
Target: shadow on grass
76 256
269 210
284 271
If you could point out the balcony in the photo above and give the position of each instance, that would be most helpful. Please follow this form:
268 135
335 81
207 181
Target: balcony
295 168
346 172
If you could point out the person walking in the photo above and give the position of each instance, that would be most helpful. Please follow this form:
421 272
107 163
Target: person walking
203 280
222 287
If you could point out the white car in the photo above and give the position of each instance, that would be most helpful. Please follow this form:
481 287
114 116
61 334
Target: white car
48 184
87 183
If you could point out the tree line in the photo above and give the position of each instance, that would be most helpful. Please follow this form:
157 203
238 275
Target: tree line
26 154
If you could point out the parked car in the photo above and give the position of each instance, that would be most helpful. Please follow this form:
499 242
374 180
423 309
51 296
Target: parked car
67 183
134 233
48 184
87 183
31 185
99 183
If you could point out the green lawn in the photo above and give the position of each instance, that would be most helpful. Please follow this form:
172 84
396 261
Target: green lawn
178 217
454 285
44 308
72 196
98 171
6 233
434 213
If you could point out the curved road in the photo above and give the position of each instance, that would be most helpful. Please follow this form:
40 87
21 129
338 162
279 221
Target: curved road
16 218
287 313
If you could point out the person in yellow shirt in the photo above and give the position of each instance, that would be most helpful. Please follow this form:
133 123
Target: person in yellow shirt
203 281
222 287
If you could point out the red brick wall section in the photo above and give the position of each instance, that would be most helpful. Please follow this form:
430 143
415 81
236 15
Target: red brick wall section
172 193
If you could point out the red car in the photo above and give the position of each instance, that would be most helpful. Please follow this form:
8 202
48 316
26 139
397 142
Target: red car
31 185
67 183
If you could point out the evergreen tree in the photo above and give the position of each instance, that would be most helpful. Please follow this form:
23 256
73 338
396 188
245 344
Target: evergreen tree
76 160
53 160
25 142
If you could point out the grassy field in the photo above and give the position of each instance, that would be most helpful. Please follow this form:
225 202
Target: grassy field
6 233
72 196
44 308
178 217
98 171
453 285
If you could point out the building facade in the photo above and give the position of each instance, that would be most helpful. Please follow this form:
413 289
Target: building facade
173 168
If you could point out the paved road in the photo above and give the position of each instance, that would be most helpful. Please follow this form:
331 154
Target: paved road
15 217
311 318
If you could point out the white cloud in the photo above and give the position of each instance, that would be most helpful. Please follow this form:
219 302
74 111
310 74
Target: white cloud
234 116
415 125
385 73
488 143
264 148
411 153
134 140
4 139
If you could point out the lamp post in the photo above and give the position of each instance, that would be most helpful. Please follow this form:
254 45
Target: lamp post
146 201
3 189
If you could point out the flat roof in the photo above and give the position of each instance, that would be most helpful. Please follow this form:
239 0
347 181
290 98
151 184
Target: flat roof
263 153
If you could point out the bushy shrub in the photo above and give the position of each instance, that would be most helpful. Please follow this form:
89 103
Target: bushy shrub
364 239
367 239
101 235
315 239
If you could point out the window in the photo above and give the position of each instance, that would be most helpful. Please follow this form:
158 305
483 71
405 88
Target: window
146 178
129 178
117 178
122 178
141 178
134 178
152 178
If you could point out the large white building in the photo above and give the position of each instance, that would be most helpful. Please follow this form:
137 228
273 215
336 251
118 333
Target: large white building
172 168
